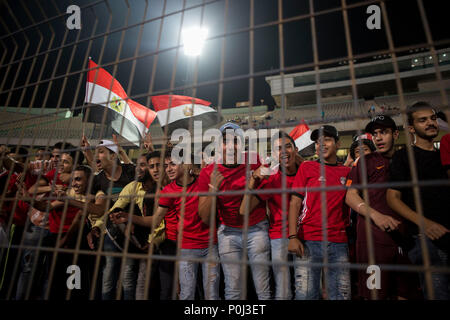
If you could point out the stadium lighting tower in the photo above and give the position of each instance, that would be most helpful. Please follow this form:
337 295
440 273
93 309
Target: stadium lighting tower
193 40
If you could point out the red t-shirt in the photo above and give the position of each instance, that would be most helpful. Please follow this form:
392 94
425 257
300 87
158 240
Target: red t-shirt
377 168
55 218
228 206
20 214
49 176
445 151
195 232
308 176
172 215
55 215
275 203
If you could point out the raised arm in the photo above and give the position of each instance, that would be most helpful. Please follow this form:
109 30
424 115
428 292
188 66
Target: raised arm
11 164
122 154
87 152
148 143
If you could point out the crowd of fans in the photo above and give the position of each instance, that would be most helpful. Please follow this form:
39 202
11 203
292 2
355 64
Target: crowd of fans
301 224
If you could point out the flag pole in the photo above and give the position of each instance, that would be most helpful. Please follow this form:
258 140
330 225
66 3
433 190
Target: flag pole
83 123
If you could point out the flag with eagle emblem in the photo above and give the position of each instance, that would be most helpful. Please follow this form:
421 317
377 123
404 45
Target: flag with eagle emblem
128 118
177 111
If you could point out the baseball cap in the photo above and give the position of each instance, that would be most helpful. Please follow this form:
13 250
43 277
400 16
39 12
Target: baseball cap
381 121
328 131
229 125
108 144
365 136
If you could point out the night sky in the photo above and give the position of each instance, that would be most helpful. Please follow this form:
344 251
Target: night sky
403 15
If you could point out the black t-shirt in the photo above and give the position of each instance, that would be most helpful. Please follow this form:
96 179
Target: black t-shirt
101 182
435 198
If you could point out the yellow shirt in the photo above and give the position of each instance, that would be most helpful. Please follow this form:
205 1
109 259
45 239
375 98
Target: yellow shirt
134 191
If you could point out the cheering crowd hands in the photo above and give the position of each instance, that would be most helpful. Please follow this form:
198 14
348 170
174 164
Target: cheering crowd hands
148 143
119 217
92 237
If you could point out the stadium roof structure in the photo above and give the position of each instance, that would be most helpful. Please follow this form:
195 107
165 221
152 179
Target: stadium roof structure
373 79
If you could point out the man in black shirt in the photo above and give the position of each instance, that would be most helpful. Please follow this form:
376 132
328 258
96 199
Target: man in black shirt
111 179
422 124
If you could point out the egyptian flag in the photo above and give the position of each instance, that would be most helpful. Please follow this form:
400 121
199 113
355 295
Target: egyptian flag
177 111
102 90
302 137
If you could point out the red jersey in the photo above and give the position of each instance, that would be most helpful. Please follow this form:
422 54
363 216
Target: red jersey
228 206
171 217
55 218
49 176
195 232
55 215
275 203
445 151
22 207
308 176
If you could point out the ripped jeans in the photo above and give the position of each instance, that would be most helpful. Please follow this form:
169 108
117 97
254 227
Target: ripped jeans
33 237
308 278
258 250
188 273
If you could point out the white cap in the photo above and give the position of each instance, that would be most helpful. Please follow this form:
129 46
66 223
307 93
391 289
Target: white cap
109 145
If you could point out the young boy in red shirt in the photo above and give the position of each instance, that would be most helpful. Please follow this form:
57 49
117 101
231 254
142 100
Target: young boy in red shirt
308 241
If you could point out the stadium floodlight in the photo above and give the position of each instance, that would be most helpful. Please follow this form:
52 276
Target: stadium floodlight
193 40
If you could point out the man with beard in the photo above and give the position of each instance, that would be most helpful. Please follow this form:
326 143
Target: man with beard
422 124
384 222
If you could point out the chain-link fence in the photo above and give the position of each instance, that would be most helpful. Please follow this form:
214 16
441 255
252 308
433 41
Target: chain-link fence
122 177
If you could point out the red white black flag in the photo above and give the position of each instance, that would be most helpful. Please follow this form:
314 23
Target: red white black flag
176 111
128 118
302 137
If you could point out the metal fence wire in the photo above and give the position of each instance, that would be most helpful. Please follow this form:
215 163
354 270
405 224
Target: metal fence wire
105 84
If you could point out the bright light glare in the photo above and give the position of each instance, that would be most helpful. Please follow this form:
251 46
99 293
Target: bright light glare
193 40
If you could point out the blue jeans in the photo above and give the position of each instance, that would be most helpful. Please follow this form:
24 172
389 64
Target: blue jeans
438 258
282 274
258 248
111 272
188 274
308 279
31 238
